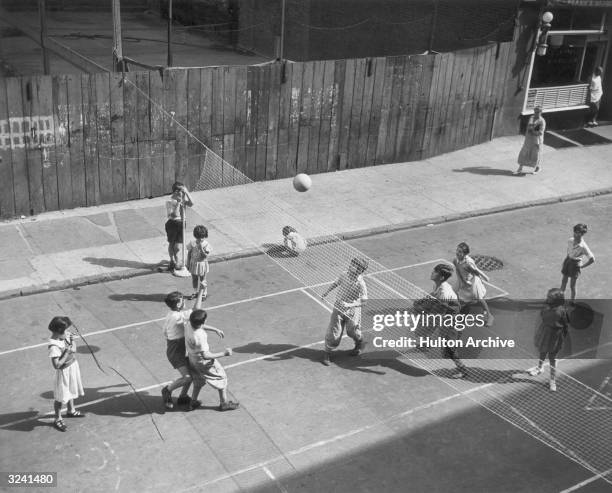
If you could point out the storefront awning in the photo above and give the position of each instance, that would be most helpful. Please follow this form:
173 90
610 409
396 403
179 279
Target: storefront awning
603 4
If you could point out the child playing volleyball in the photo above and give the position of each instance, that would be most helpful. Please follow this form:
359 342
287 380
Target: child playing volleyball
352 295
176 352
294 242
469 286
197 259
204 364
174 225
551 333
578 256
68 385
445 293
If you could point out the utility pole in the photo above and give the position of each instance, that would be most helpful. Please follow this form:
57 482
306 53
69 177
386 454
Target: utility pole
42 14
282 33
118 62
169 61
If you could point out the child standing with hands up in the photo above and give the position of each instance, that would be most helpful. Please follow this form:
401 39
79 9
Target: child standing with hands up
68 385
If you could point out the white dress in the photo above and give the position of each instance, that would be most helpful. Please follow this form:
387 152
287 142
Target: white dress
68 384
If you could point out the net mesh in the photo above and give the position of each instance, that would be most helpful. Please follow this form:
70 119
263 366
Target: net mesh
557 419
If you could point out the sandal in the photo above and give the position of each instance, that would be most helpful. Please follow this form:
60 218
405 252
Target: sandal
194 405
229 406
75 414
60 425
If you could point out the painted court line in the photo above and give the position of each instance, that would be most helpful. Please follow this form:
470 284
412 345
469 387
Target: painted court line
587 481
336 438
215 307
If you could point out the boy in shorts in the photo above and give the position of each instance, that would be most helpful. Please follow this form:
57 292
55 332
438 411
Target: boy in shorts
174 331
352 295
179 199
578 257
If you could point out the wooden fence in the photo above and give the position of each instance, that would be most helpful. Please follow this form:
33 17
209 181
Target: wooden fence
75 140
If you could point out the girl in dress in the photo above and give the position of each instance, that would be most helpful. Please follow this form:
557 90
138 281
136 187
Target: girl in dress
197 259
551 333
531 152
469 286
68 385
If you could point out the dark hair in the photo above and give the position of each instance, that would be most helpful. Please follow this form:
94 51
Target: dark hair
176 186
173 299
581 228
59 324
200 232
361 264
555 297
537 108
288 229
444 270
464 247
598 71
197 318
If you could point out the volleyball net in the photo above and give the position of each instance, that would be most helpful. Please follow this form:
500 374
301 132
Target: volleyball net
500 385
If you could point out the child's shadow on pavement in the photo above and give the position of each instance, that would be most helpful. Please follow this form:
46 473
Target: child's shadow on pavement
367 362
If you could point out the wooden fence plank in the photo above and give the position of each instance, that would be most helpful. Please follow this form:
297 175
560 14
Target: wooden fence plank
217 114
90 136
316 102
327 94
229 115
7 196
45 140
412 74
21 183
262 122
378 81
273 122
454 101
483 110
443 98
194 148
130 129
397 84
465 59
470 121
344 117
101 81
468 98
433 115
385 109
305 113
352 152
417 150
76 139
116 137
366 113
252 105
156 93
206 106
284 117
180 123
335 123
31 115
62 149
239 154
169 129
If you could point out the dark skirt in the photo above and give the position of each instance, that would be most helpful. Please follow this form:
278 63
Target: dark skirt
176 352
571 267
174 230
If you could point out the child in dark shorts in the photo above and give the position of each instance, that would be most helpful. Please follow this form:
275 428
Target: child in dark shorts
179 199
579 256
551 333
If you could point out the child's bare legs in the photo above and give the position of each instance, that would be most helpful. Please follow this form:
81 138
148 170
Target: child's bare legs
204 285
553 371
70 406
485 307
538 369
57 408
572 286
224 403
184 381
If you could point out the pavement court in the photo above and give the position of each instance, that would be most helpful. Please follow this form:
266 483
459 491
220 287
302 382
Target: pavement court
374 422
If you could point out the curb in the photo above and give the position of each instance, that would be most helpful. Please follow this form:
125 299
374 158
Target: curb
252 252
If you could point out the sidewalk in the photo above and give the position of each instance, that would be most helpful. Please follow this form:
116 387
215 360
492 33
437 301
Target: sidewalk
62 249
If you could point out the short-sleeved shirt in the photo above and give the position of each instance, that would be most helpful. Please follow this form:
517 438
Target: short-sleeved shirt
350 290
173 208
175 323
445 293
595 88
196 341
295 241
580 251
57 348
466 269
